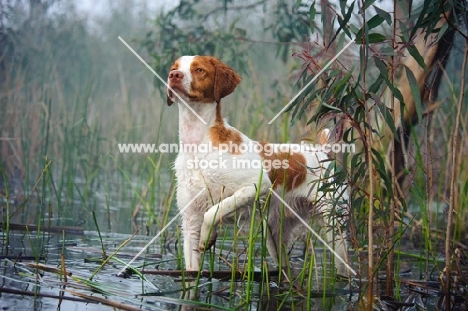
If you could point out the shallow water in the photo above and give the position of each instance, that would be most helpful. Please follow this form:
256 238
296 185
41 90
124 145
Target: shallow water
24 284
82 257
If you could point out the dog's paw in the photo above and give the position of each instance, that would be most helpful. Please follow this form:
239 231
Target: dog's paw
206 242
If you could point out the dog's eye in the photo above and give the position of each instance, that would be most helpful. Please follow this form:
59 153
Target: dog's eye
199 70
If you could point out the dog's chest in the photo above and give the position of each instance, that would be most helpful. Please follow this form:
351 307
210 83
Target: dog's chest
220 172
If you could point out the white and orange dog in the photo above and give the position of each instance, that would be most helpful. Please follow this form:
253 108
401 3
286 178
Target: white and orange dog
232 168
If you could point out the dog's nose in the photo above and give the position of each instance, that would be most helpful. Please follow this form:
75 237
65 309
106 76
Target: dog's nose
176 75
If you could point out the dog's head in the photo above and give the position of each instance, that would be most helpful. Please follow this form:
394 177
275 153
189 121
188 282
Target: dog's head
202 79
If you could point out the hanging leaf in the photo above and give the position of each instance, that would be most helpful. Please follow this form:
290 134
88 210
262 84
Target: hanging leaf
376 38
368 3
417 56
373 38
414 87
375 21
385 112
384 72
384 14
343 22
312 13
342 83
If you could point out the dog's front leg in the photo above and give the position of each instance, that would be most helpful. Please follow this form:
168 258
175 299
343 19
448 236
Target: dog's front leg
191 229
240 199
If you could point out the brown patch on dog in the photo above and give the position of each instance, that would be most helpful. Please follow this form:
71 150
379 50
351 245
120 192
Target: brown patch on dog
290 177
211 80
226 79
219 134
203 80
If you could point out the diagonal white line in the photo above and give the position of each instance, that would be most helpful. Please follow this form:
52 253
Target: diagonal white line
312 81
162 80
160 232
313 232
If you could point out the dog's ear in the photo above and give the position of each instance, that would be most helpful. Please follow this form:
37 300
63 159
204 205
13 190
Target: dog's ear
226 79
168 99
169 94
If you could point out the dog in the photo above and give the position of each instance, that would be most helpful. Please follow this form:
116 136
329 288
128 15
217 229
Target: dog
212 188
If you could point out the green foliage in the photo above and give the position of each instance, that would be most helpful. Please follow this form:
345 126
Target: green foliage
69 94
221 28
357 103
196 28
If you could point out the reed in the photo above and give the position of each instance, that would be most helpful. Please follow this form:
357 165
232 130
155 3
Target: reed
64 113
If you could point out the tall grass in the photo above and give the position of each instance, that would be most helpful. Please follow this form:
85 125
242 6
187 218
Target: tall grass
74 116
62 117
